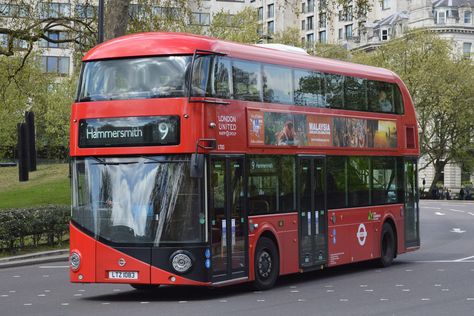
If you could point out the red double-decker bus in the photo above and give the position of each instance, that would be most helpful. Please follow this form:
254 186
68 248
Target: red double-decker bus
197 161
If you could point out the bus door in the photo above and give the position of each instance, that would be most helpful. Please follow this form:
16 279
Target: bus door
412 225
312 211
227 218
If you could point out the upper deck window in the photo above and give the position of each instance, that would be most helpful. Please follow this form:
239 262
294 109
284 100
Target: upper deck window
134 78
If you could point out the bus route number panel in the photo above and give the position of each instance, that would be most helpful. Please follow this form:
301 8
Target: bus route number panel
129 131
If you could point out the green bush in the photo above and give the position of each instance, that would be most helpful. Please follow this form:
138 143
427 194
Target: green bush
48 223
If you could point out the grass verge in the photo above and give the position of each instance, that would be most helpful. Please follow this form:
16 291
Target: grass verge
48 185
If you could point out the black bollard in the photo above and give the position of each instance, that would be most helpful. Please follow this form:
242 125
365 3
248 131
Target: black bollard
31 139
22 153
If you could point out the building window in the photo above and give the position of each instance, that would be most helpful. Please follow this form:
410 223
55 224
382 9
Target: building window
466 50
385 4
303 25
341 16
55 36
55 65
322 20
271 27
54 10
310 39
348 31
260 13
270 11
303 7
441 17
310 5
201 18
86 11
467 17
341 34
322 37
384 35
310 23
260 30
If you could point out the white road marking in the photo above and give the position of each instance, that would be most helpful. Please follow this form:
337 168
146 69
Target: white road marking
78 294
444 261
81 290
144 302
64 304
399 285
437 285
458 211
432 208
470 213
12 291
384 299
223 301
406 290
457 230
28 304
462 259
301 300
260 300
116 290
53 267
426 299
106 303
17 276
329 291
363 285
41 295
369 290
182 302
445 290
294 291
343 300
4 295
470 299
440 214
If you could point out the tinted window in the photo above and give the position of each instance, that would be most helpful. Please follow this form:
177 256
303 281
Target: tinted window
335 91
309 88
277 87
246 80
336 182
221 78
380 97
398 100
358 176
384 180
271 185
355 97
200 80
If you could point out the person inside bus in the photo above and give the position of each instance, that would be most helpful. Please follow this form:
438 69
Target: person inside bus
384 103
287 135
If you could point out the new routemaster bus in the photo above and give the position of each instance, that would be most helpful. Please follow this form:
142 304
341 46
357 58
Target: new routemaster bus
202 162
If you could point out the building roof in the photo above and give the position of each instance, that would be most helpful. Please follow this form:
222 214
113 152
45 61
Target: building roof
391 19
453 3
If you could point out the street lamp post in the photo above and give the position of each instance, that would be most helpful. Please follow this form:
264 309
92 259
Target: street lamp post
100 22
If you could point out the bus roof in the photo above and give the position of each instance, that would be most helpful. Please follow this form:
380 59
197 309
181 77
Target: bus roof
154 44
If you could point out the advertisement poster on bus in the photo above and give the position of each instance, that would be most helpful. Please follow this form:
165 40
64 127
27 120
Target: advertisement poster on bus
311 130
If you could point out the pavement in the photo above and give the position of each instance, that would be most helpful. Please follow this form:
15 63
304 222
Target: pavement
35 258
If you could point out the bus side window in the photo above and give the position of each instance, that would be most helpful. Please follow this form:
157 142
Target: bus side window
277 85
335 91
247 82
221 78
355 94
398 99
381 97
201 76
309 88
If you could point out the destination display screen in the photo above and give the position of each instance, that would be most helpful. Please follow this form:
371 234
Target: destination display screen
129 131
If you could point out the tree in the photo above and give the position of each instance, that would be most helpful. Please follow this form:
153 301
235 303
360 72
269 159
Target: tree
441 87
290 36
240 27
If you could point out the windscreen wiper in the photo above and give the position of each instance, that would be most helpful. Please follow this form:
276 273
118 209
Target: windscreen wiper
105 163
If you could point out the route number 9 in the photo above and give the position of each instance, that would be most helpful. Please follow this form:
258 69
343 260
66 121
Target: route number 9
164 130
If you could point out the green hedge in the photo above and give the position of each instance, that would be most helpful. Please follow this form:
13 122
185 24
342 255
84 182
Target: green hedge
33 226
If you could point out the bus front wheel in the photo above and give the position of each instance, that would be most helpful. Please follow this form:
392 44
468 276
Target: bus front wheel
387 245
266 264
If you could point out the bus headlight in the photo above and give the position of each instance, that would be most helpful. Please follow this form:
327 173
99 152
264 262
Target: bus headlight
74 261
181 261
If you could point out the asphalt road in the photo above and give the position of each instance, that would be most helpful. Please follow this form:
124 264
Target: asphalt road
436 280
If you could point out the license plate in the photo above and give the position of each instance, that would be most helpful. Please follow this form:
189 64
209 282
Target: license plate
123 275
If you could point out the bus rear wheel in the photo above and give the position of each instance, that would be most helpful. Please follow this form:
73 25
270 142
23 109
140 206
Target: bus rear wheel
266 264
387 246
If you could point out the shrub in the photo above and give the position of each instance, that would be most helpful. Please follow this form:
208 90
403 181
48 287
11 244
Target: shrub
16 225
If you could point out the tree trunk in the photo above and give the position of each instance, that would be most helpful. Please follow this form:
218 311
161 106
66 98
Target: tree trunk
116 18
439 167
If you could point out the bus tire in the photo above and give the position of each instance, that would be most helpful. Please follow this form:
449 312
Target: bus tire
266 264
387 246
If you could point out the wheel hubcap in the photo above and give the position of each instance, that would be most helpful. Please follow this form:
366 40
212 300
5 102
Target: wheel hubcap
264 264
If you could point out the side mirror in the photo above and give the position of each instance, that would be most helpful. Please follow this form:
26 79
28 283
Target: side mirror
196 166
